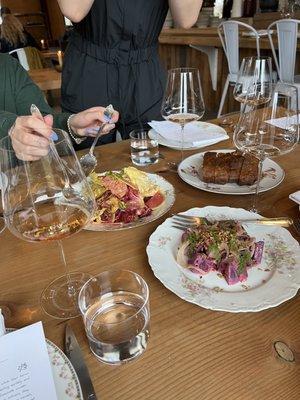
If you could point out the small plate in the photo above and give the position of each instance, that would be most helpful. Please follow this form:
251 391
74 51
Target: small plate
275 280
189 171
65 378
169 193
176 144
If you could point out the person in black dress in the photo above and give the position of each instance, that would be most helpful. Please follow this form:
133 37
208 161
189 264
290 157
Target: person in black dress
12 33
112 56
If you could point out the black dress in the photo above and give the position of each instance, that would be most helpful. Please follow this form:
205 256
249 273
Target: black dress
112 58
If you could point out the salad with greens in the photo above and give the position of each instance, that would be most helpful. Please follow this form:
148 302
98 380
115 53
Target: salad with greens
124 196
222 246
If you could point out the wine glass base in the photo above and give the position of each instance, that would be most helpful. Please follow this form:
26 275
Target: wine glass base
2 224
60 298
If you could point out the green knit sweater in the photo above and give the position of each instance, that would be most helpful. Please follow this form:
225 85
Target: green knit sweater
17 93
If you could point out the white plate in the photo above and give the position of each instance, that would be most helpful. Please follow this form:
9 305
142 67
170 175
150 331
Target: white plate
274 281
176 144
65 378
169 193
189 168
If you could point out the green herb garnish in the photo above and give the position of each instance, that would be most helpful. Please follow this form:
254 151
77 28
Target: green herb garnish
244 259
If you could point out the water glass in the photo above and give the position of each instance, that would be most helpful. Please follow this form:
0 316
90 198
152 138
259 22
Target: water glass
116 315
144 147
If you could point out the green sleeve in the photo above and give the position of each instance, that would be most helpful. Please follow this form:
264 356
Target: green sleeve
25 93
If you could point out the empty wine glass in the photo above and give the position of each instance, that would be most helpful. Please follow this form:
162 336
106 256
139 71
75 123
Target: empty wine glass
254 81
48 200
183 100
269 131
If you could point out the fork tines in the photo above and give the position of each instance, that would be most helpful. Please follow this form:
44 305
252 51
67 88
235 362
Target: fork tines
185 221
180 227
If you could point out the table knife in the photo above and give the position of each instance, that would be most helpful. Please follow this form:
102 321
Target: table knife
74 354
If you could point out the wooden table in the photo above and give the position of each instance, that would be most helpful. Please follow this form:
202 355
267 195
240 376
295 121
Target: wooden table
50 53
209 37
193 353
46 78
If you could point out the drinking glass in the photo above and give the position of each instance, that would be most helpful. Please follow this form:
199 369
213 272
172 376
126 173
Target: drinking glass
269 131
183 99
116 315
144 148
48 200
254 81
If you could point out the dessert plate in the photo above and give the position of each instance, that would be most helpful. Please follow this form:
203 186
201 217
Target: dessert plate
189 171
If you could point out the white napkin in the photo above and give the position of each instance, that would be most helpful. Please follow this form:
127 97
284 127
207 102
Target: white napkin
295 197
282 122
195 133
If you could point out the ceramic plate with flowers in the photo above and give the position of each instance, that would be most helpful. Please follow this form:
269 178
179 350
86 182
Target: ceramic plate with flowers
274 280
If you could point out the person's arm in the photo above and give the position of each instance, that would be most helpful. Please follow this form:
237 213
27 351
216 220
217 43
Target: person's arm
185 12
75 10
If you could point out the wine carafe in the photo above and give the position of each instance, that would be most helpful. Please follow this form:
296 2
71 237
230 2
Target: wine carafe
48 200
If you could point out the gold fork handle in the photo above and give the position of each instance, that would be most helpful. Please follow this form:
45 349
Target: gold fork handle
281 221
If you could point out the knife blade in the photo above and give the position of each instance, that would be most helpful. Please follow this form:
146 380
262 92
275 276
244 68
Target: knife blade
74 354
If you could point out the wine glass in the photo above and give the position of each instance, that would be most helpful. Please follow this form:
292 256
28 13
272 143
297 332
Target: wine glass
2 225
2 222
48 200
183 100
254 82
269 131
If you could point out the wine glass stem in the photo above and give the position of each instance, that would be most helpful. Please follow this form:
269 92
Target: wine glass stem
182 141
255 198
67 271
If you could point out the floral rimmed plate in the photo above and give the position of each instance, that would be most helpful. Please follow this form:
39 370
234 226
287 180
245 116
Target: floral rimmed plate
189 171
206 127
165 187
274 281
65 378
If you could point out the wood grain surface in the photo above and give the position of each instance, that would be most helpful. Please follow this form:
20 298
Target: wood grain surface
193 353
46 78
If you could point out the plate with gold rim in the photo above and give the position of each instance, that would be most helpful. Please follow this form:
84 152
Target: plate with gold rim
275 280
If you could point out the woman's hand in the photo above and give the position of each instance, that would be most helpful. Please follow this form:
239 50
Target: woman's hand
30 137
86 123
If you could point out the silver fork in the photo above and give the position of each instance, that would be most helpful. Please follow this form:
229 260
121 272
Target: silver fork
186 221
89 161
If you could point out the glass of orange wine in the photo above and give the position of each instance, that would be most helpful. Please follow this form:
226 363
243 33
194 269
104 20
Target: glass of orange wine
48 200
183 100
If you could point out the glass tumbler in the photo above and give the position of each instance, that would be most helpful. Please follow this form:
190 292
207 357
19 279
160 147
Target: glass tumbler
144 147
116 315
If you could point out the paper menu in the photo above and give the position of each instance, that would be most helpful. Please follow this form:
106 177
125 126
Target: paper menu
25 370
